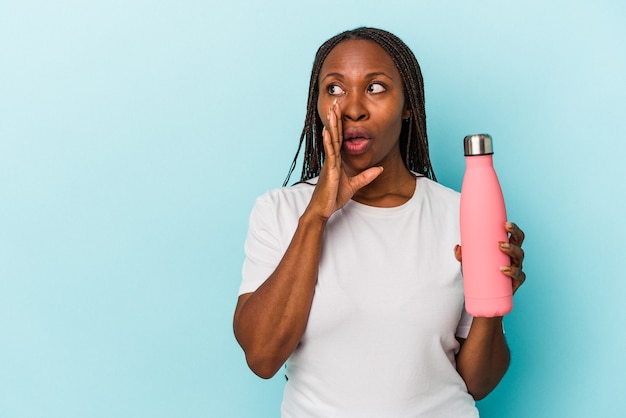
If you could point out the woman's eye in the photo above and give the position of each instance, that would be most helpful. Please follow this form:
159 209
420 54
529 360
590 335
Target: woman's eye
376 88
335 90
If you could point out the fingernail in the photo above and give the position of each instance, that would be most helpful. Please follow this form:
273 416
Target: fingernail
509 225
505 245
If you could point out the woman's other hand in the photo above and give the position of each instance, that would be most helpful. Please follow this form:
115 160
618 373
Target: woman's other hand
514 250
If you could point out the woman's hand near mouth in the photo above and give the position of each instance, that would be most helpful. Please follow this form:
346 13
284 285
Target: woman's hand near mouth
334 187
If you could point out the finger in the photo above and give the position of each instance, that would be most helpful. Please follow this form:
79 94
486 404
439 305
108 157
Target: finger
518 281
458 254
365 177
517 275
339 126
515 253
336 130
516 234
329 149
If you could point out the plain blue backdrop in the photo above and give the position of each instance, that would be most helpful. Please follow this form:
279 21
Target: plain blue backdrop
135 136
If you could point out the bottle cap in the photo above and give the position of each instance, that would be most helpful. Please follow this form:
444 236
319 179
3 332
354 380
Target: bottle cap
478 144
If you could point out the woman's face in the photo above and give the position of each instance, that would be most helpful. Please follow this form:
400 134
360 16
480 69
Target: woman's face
368 87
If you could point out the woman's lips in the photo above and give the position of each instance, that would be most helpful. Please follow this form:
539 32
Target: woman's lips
356 141
355 146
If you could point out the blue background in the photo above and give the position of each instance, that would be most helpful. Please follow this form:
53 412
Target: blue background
135 136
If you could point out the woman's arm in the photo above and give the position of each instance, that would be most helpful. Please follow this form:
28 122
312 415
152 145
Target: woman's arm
269 322
484 356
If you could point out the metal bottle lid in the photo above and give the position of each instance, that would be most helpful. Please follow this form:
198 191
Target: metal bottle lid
478 144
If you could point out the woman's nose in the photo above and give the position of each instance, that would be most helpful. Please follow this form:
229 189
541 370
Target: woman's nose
353 107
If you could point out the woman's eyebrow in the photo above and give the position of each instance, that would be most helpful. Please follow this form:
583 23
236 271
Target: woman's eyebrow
368 75
335 75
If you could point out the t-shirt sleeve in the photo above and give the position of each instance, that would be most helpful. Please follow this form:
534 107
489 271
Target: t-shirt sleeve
262 247
462 330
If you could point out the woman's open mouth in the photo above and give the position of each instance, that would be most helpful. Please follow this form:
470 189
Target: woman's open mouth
356 141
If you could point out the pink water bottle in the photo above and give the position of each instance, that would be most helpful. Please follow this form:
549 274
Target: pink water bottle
488 292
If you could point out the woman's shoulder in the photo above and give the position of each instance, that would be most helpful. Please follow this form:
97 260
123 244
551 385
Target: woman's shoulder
294 196
438 191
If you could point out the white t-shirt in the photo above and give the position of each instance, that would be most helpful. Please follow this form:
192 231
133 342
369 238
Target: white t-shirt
380 339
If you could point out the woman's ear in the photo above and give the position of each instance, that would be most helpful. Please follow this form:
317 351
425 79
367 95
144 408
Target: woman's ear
406 114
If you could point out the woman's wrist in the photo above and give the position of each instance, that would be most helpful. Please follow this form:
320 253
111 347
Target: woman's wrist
310 219
488 325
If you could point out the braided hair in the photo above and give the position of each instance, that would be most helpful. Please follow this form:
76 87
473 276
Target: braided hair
413 137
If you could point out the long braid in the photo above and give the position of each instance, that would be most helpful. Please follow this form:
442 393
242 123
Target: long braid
413 137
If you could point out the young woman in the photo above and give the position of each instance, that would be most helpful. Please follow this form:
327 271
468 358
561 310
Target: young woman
352 276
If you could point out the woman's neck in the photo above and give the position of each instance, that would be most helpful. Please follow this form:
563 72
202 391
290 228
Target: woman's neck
393 187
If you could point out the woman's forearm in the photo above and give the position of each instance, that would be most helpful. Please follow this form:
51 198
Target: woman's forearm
484 356
269 322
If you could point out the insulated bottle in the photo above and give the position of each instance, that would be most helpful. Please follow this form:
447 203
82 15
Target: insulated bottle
488 292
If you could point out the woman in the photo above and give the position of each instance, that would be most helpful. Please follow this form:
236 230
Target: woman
352 276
